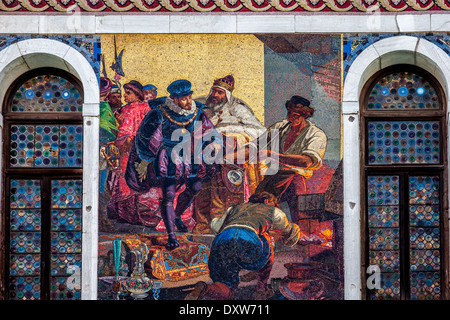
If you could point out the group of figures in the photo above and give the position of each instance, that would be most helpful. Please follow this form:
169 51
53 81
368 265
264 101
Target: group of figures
214 153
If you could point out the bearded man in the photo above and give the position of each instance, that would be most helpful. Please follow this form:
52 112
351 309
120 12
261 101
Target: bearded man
233 118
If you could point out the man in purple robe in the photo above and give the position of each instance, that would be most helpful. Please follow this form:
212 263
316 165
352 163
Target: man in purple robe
169 151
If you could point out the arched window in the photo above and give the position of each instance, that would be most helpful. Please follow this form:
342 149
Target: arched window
404 161
43 133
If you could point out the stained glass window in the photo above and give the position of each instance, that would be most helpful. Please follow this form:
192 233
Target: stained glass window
384 234
46 145
26 246
47 93
66 239
403 142
424 231
25 240
404 121
403 90
44 142
424 236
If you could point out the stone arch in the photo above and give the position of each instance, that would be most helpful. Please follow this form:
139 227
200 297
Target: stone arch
26 55
381 54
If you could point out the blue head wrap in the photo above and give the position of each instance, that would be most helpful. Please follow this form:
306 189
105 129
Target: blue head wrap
150 87
179 88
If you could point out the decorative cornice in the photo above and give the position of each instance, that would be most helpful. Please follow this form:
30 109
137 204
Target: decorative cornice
244 6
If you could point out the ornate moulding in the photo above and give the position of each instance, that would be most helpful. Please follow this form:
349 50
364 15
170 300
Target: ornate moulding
242 6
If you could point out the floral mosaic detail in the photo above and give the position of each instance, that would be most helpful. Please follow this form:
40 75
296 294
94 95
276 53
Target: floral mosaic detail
224 5
355 44
87 45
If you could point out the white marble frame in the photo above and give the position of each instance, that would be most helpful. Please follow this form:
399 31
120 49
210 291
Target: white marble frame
26 55
29 54
75 22
381 54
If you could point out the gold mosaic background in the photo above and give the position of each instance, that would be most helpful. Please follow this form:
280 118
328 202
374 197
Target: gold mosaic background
161 59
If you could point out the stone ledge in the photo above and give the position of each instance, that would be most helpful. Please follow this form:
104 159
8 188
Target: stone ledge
74 22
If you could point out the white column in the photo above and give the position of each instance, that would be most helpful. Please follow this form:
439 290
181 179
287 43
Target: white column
91 122
352 189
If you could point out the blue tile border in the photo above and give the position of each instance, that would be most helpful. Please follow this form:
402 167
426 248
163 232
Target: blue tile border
88 45
354 44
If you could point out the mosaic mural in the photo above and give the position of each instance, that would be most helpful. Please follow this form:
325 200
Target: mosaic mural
245 6
166 221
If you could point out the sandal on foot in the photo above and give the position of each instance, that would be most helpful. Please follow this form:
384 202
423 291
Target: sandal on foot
172 244
199 289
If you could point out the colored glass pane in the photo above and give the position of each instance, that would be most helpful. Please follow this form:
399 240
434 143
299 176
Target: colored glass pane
389 286
403 142
424 237
70 145
403 90
384 236
65 242
383 190
383 216
25 240
46 146
25 288
424 190
47 93
66 194
25 246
